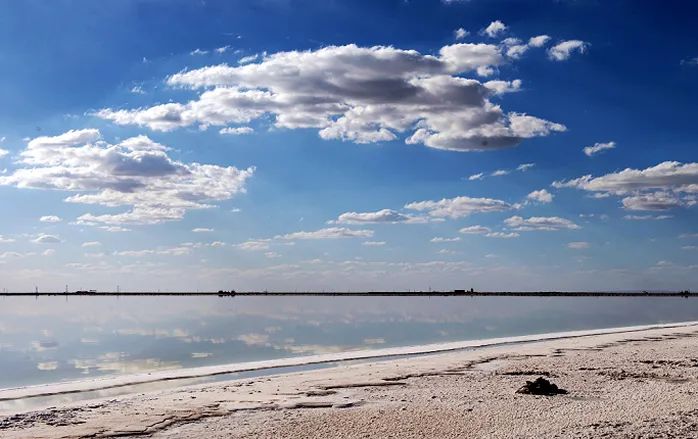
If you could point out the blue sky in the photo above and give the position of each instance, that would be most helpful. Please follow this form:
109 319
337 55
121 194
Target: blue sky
288 145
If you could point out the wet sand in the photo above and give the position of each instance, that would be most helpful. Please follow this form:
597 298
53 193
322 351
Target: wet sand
639 384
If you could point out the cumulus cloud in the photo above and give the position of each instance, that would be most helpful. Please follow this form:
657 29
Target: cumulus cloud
502 235
440 239
460 33
357 94
381 216
598 147
539 223
373 243
46 239
477 176
236 131
514 48
328 233
254 245
653 201
647 217
3 152
50 219
170 251
563 50
475 230
578 245
494 29
486 231
459 207
538 41
660 187
137 173
540 196
500 172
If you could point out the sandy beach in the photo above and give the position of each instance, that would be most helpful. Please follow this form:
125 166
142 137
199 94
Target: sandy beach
633 383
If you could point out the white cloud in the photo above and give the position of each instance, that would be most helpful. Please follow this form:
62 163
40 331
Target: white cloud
440 239
652 201
514 48
198 52
5 240
536 223
248 59
373 243
171 251
647 217
459 207
523 167
563 50
48 252
500 87
3 152
475 230
357 94
236 131
540 196
478 176
91 244
271 255
495 29
50 219
660 187
46 239
460 33
486 231
500 173
665 176
598 147
328 233
502 235
538 41
255 245
381 216
578 245
137 90
136 172
114 229
222 49
201 230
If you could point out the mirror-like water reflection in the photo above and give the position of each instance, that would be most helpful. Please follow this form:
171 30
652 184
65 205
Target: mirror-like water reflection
54 339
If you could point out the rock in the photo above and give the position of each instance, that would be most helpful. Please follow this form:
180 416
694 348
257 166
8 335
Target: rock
541 386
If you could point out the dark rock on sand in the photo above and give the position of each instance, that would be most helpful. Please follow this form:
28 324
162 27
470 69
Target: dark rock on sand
541 386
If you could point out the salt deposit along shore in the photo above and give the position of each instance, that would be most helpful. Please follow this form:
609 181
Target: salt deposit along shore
628 382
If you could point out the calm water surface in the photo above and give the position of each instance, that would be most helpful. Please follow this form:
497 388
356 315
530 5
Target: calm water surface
53 339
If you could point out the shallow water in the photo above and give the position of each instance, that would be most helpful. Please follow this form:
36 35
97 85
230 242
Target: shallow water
49 340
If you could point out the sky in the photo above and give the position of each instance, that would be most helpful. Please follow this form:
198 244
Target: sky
302 145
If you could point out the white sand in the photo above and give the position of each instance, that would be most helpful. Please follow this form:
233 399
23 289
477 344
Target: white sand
642 383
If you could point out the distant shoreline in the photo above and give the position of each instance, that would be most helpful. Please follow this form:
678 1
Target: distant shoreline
453 293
